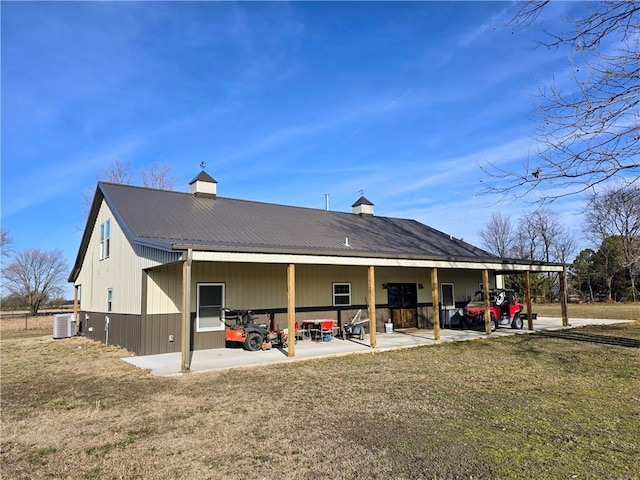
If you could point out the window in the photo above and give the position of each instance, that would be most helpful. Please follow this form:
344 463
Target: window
105 239
109 299
341 294
210 304
447 295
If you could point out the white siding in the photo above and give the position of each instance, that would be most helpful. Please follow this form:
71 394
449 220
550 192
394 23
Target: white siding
122 271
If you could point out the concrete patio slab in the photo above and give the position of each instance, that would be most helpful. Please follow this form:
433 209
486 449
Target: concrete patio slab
226 358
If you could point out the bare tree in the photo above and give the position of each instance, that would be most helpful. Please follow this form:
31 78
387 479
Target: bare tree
36 275
549 230
6 251
157 176
118 171
564 247
541 237
526 244
498 235
615 212
591 133
6 243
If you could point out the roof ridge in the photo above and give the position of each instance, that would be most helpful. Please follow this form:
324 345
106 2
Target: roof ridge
259 202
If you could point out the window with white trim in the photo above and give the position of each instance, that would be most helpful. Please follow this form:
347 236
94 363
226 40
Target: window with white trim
105 239
341 294
109 299
210 304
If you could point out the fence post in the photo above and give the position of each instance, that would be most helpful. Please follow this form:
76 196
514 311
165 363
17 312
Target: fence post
26 321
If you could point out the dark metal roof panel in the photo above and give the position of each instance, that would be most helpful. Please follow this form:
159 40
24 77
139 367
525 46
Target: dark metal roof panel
203 177
174 218
362 201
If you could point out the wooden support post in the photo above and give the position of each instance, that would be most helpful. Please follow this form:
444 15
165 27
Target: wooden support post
487 302
291 309
372 307
527 293
75 303
185 364
435 296
563 297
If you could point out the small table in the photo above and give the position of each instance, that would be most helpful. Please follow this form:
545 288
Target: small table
320 328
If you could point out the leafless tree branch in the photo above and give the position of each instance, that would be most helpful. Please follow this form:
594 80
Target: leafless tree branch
591 133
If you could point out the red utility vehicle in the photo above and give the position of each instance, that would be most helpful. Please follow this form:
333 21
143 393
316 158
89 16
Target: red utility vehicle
503 307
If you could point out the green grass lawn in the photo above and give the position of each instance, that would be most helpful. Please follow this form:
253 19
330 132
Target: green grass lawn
524 406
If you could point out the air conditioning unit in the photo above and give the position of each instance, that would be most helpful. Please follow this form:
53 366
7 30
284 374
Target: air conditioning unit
64 325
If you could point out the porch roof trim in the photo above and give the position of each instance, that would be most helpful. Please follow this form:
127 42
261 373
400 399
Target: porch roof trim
500 265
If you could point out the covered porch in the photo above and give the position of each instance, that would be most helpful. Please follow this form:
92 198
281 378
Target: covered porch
368 268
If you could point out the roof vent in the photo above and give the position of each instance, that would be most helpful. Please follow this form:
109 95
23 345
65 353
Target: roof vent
204 185
362 207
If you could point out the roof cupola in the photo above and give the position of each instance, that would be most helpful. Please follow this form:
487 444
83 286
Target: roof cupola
362 207
204 185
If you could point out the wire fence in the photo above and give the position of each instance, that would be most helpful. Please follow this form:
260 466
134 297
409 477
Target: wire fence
14 320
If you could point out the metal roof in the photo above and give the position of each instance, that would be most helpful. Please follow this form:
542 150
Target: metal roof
174 220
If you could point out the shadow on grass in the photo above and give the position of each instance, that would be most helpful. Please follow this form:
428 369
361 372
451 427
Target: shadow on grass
591 338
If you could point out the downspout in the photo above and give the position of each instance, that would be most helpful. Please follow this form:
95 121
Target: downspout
186 312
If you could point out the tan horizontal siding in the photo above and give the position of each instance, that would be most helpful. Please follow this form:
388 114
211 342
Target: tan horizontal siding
122 271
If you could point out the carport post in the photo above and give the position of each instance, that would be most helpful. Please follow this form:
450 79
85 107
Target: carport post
186 313
487 303
435 299
527 293
563 297
291 310
372 306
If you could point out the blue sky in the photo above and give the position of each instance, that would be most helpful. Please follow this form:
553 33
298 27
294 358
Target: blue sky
283 101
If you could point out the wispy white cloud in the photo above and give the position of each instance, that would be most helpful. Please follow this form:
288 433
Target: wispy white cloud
453 171
497 20
43 183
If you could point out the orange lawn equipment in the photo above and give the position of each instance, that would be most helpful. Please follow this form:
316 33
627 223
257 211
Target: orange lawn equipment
242 328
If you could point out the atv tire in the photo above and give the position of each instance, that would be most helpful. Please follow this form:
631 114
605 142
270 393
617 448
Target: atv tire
253 342
493 324
517 322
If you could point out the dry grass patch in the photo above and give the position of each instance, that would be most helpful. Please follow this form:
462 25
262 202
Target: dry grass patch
21 326
614 311
514 407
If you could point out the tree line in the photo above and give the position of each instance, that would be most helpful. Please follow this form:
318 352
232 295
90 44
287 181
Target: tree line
607 270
